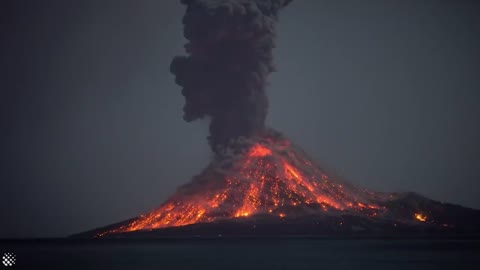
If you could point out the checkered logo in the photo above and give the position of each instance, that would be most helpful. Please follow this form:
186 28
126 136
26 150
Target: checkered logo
8 259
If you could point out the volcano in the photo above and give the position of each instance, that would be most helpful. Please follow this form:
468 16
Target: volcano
268 185
259 182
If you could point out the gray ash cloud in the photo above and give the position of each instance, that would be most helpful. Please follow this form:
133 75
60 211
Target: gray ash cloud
229 56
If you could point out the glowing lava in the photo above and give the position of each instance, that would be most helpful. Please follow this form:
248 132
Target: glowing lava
271 177
259 150
421 217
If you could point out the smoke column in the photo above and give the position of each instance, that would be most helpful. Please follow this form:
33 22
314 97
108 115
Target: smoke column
229 56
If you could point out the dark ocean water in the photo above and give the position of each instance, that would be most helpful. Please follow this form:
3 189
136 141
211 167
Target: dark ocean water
285 253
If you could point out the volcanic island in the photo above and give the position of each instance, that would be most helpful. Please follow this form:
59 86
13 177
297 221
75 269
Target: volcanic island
259 183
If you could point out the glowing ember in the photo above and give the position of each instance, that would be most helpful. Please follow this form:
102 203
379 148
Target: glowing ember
421 217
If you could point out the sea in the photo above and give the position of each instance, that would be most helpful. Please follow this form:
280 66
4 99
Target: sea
243 253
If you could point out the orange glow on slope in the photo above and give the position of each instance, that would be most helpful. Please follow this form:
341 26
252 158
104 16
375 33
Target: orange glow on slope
259 151
271 178
420 217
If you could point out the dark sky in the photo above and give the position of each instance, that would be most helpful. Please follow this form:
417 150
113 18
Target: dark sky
386 93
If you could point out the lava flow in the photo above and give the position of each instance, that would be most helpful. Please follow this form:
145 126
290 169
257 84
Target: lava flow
272 177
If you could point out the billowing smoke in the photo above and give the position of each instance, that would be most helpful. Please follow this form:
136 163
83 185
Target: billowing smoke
229 52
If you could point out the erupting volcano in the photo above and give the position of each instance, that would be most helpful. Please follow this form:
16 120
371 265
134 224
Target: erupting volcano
271 181
272 177
259 182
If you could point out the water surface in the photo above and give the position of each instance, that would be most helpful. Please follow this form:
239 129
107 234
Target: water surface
238 253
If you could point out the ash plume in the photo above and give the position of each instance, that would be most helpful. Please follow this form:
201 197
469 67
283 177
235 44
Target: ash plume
229 56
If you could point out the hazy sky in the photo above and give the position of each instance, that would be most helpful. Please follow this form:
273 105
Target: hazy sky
386 93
